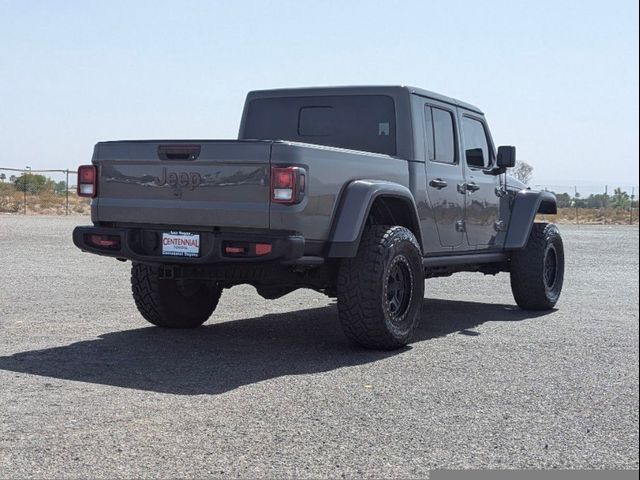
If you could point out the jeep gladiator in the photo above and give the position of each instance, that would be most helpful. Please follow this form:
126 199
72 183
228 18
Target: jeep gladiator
357 192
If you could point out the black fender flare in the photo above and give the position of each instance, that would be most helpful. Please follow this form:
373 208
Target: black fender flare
526 205
353 210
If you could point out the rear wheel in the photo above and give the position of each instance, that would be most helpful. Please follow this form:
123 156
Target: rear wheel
381 290
172 303
537 271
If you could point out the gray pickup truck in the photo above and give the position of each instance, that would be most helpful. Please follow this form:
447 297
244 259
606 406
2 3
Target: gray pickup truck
357 192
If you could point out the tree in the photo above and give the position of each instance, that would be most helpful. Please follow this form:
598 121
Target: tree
620 199
60 187
523 172
563 199
3 177
599 200
34 183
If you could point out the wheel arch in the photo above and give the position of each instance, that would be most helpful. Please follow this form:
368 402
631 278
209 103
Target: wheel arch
374 202
526 205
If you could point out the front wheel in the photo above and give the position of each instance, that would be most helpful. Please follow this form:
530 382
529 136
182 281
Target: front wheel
172 303
381 290
537 271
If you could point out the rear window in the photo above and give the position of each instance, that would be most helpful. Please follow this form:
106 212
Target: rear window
357 122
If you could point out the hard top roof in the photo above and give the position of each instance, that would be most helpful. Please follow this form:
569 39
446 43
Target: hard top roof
362 89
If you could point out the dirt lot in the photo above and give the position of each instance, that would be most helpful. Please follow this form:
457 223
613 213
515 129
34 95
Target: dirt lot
272 389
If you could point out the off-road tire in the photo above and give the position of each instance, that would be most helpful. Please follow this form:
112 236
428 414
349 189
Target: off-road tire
537 271
372 312
167 303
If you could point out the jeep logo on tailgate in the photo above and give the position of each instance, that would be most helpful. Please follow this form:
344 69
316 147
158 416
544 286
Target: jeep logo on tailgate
189 180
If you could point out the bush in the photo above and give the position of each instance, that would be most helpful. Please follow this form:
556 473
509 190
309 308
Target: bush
34 183
10 199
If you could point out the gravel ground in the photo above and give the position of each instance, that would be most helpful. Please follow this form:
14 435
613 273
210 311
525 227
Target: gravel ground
271 388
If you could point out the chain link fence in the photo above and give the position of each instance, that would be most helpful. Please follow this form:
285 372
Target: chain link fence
51 191
595 204
54 192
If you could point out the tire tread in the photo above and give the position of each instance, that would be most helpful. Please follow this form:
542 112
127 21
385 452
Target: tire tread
359 288
145 287
527 268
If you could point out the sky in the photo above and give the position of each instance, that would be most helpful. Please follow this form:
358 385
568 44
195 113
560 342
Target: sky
557 79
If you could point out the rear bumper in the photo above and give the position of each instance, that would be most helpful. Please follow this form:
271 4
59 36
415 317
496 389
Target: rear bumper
144 245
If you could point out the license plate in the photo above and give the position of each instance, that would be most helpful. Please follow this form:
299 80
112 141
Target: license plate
181 244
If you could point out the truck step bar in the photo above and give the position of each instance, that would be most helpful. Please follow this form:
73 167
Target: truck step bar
427 262
465 259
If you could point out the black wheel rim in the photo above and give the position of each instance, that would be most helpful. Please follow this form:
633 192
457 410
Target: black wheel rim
550 268
399 287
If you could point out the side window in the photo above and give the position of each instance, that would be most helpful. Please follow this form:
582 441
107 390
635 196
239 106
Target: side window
444 136
476 146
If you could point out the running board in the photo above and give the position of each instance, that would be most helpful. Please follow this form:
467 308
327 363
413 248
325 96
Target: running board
466 259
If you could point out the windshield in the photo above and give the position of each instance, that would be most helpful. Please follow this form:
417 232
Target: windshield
357 122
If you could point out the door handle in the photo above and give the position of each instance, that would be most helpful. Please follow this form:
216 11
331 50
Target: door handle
438 183
472 187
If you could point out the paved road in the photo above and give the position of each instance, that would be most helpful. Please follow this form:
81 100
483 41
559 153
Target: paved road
271 388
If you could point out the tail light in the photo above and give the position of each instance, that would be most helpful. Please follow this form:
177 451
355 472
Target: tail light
87 181
288 185
245 249
107 242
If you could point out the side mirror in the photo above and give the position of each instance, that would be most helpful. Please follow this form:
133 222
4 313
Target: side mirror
506 156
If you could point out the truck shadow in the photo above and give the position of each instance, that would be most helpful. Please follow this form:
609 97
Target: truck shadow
221 357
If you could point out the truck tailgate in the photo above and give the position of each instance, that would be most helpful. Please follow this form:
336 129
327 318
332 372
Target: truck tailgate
193 183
